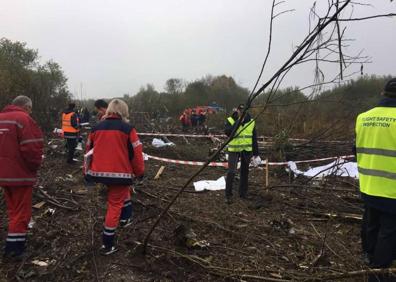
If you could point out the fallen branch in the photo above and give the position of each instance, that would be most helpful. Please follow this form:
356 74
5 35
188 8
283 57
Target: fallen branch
151 195
351 274
215 270
333 215
311 187
55 202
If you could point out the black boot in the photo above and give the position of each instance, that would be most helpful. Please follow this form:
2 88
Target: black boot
126 214
14 251
71 148
228 189
243 187
108 247
244 181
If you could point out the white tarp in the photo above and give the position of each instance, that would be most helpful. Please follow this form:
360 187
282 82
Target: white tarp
211 185
340 167
158 143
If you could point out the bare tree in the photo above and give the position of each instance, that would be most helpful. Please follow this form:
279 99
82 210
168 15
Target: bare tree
324 43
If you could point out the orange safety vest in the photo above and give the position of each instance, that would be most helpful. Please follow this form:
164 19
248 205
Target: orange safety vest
66 123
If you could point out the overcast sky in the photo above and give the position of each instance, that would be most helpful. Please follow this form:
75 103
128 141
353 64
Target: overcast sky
115 47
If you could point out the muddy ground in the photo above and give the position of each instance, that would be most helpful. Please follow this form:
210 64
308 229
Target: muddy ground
293 230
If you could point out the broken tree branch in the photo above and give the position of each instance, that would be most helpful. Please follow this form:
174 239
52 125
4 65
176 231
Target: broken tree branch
298 53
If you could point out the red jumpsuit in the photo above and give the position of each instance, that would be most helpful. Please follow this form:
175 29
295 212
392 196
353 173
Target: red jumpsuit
117 158
21 150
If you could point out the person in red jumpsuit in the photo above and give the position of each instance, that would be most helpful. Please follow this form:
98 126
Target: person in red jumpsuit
117 159
21 154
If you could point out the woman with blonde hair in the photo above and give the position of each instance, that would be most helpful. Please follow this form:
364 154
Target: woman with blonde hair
117 158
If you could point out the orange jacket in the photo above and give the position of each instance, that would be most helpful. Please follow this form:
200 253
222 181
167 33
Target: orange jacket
70 124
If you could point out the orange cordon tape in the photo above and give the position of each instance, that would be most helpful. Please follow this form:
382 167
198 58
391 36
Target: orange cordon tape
225 136
225 164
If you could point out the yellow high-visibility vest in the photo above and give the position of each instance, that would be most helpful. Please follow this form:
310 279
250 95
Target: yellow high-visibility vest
376 151
243 138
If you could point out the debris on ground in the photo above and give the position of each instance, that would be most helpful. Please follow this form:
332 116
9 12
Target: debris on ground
291 230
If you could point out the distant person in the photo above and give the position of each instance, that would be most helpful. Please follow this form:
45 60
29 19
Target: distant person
117 159
194 118
184 120
202 118
20 158
241 147
85 115
101 107
202 122
376 158
71 131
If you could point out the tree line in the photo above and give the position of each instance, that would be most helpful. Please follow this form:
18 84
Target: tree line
178 95
330 114
22 74
290 112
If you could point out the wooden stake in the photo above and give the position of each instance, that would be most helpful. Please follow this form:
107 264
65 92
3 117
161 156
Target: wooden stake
266 173
160 171
39 205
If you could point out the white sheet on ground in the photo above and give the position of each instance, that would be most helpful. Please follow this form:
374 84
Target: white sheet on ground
158 143
211 185
340 167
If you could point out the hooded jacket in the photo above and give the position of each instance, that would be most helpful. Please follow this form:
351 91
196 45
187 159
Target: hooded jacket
117 152
21 147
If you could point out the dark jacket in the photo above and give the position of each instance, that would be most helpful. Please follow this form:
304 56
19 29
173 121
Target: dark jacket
228 128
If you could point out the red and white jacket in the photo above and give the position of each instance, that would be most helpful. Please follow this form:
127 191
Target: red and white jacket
117 152
21 147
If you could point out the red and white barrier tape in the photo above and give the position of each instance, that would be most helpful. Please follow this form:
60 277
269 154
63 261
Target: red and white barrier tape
222 164
225 164
183 135
225 136
313 161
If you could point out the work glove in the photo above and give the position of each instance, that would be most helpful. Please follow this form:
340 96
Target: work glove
256 161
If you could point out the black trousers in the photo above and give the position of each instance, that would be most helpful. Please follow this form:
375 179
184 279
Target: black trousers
233 158
379 240
71 144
